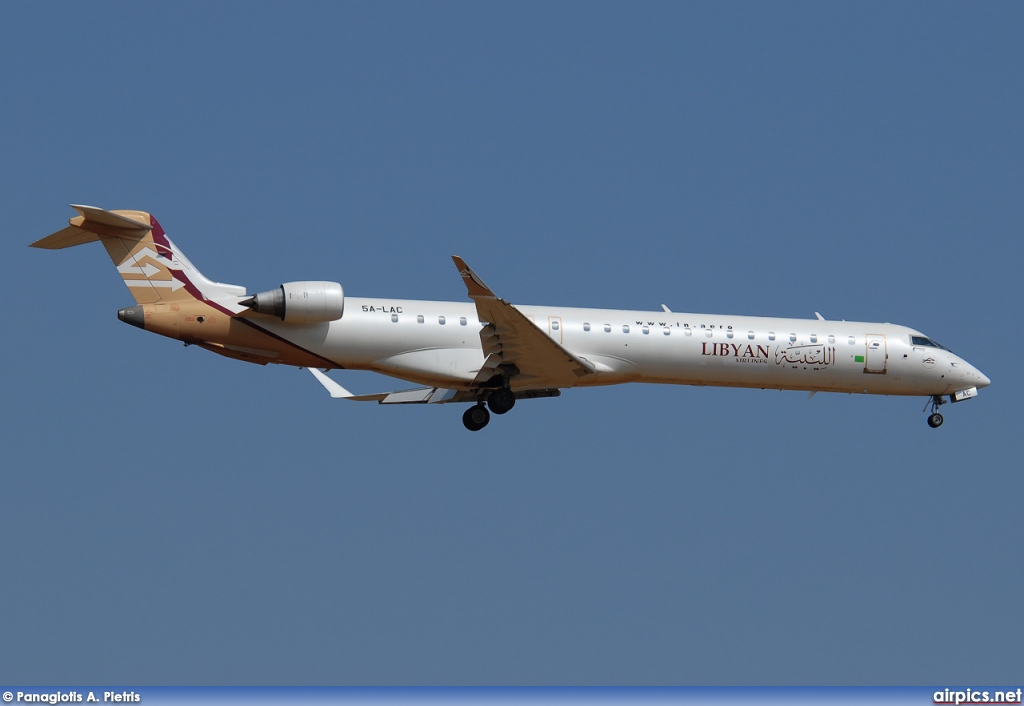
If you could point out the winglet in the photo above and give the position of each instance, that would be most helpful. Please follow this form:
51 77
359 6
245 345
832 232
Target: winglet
420 395
336 390
474 285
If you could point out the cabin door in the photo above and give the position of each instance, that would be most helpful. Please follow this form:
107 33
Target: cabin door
876 355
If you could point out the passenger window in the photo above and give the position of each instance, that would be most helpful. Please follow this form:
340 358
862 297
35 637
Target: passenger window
771 335
419 319
851 340
394 318
462 321
607 328
750 335
666 330
814 338
688 331
831 338
586 327
708 333
728 334
792 338
440 320
646 330
554 325
625 328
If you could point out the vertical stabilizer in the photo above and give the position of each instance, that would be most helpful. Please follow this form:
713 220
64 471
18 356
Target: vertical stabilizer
149 263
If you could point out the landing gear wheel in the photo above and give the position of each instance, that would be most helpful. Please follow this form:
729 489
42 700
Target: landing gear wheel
501 400
934 418
476 417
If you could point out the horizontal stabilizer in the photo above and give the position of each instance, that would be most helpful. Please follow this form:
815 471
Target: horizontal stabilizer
93 215
69 237
91 223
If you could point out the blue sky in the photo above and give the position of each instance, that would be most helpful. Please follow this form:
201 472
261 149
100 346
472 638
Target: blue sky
171 517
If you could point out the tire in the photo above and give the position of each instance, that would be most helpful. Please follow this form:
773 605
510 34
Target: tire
501 400
476 417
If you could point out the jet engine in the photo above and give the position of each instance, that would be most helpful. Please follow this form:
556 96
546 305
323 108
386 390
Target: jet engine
300 302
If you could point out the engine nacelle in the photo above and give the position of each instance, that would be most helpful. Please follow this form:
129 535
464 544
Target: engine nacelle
300 302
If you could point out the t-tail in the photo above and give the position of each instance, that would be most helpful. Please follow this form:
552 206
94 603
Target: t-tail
174 299
154 270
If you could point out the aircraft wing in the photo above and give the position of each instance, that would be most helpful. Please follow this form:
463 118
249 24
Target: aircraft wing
423 395
514 345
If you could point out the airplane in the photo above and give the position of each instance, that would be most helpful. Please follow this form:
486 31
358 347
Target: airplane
490 353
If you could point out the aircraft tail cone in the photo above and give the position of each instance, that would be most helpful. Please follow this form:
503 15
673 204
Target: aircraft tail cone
134 315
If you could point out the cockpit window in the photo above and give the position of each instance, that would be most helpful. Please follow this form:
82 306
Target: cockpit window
925 341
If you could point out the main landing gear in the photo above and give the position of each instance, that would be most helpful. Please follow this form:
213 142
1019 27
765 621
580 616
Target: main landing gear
476 417
934 418
499 401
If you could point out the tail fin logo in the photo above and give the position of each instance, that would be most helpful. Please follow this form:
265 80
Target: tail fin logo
136 264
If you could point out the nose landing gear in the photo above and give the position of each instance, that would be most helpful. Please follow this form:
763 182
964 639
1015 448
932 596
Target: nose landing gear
934 418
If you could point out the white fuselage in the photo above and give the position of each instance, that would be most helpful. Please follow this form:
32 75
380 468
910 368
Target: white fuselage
438 343
489 352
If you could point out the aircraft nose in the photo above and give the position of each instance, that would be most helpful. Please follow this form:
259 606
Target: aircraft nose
975 377
969 375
